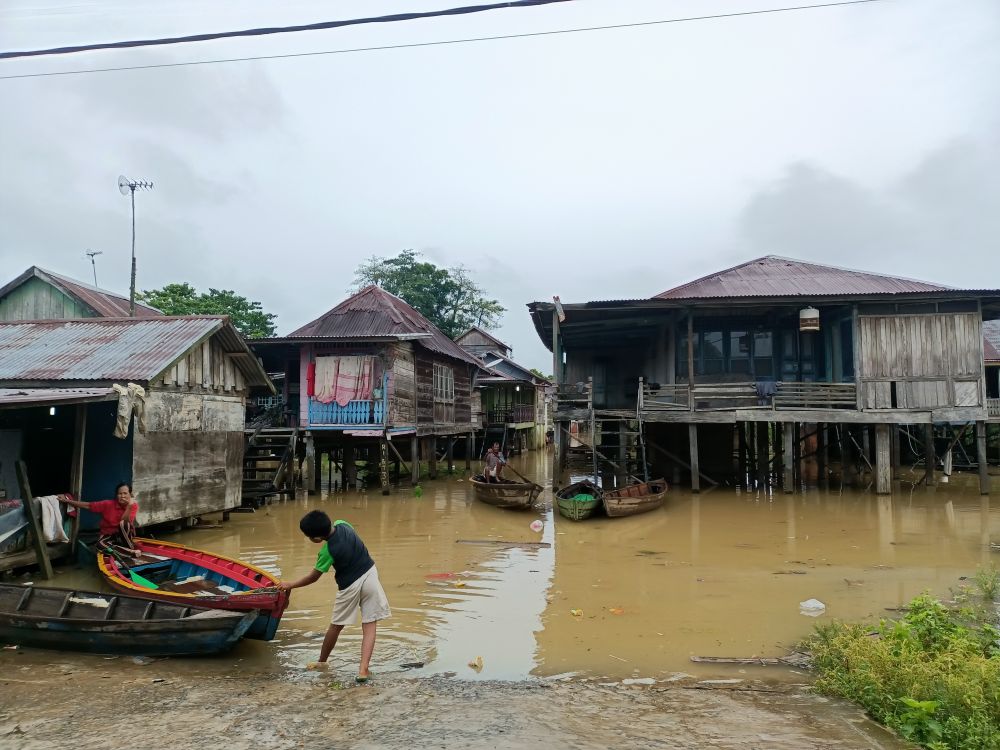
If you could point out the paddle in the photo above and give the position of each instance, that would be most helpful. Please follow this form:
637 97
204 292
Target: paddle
518 473
136 578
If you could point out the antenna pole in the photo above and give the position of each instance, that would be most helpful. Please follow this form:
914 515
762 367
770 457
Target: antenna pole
92 254
131 290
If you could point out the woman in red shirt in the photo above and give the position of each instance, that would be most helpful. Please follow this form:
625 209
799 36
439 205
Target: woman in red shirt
117 516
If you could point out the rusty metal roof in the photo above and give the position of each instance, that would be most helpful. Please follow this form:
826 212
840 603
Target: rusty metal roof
104 304
21 397
991 341
774 276
113 349
375 313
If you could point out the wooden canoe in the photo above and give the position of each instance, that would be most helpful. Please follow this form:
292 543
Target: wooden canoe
70 620
636 498
506 493
192 577
578 510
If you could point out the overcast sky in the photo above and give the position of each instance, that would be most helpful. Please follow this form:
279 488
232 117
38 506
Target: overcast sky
610 164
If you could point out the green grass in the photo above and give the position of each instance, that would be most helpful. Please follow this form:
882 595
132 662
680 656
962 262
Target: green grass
933 676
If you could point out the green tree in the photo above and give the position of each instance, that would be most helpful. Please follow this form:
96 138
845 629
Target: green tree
183 299
539 374
448 298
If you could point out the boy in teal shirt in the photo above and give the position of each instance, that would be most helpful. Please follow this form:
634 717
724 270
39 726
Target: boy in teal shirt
357 583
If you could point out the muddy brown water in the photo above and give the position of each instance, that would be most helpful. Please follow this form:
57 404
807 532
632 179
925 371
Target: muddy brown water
716 574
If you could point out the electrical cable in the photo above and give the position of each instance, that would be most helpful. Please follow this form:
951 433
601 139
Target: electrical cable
414 45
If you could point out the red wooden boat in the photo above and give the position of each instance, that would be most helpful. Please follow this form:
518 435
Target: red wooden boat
197 578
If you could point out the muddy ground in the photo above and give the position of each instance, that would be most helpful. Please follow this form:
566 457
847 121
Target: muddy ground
64 704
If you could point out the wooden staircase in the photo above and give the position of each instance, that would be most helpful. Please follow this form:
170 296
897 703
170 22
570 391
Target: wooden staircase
268 464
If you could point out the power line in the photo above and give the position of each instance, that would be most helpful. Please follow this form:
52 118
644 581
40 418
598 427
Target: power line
265 31
414 45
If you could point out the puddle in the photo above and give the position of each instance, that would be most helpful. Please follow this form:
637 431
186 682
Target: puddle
720 574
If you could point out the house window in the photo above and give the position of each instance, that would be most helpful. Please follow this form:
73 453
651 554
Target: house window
739 352
763 354
444 393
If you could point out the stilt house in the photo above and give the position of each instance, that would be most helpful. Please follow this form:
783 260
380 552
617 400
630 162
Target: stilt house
749 362
38 294
373 380
66 411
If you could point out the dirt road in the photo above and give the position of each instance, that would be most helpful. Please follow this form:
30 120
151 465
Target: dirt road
84 704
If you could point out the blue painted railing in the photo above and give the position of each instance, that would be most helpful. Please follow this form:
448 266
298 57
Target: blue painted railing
360 412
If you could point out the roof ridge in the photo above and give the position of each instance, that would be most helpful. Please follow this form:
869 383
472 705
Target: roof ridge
90 287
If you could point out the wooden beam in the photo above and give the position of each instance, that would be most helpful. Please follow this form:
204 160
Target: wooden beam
383 465
414 459
678 461
788 480
451 454
762 458
856 333
556 350
822 451
930 459
470 448
695 473
399 458
76 470
34 526
984 475
883 460
690 356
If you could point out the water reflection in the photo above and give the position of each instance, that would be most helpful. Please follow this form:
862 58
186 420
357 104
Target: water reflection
718 574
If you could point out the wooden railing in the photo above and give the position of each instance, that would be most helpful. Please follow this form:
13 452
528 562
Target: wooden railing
667 397
816 396
511 414
716 396
993 407
575 395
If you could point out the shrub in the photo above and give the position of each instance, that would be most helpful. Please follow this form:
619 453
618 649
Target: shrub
933 676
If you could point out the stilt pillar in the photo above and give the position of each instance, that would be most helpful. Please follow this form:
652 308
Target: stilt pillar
788 462
383 465
695 471
741 453
451 454
470 446
930 459
897 459
311 479
432 458
350 468
763 453
848 469
414 459
883 460
984 474
822 452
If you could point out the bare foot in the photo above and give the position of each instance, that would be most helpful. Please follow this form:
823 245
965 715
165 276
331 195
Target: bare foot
317 666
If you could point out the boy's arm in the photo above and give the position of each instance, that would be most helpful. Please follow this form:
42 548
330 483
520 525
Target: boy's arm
311 577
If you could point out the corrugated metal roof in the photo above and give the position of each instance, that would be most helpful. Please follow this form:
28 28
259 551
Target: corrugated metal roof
136 349
774 276
991 340
374 312
14 397
104 303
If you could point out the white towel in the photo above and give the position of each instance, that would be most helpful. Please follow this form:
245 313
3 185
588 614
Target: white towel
52 523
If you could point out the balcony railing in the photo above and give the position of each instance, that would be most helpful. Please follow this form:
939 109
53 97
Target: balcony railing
993 407
511 414
370 411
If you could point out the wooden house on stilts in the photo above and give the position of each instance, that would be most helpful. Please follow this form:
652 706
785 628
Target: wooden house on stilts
744 372
373 381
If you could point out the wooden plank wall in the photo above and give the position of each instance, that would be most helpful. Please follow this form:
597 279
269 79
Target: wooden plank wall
930 361
424 369
205 368
402 382
38 300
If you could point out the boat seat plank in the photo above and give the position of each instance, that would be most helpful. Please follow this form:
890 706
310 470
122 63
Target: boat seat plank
112 606
28 591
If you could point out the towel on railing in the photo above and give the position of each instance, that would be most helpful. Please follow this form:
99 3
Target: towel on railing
52 521
344 379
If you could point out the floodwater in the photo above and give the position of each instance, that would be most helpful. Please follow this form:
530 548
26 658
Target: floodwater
716 574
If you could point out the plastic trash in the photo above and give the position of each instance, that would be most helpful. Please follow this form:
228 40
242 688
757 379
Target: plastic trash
536 526
812 608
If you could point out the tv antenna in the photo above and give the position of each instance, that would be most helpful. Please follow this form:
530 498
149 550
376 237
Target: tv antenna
126 187
91 254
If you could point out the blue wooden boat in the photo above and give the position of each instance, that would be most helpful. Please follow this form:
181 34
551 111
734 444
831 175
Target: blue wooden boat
72 620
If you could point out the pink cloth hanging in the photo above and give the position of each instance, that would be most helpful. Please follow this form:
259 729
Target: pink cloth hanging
344 379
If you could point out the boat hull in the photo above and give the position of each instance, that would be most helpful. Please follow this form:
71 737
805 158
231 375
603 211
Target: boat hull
507 494
635 499
577 510
256 589
165 630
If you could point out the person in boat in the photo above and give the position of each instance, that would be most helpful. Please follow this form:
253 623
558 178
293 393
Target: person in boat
117 516
493 463
358 586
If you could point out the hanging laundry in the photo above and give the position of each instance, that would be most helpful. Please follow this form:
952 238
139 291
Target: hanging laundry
131 399
344 379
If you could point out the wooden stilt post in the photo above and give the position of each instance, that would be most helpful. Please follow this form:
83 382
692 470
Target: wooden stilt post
34 524
763 453
741 453
883 460
984 474
76 475
695 472
350 468
311 478
383 465
897 461
930 459
414 459
788 480
866 447
432 459
470 447
822 452
451 454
